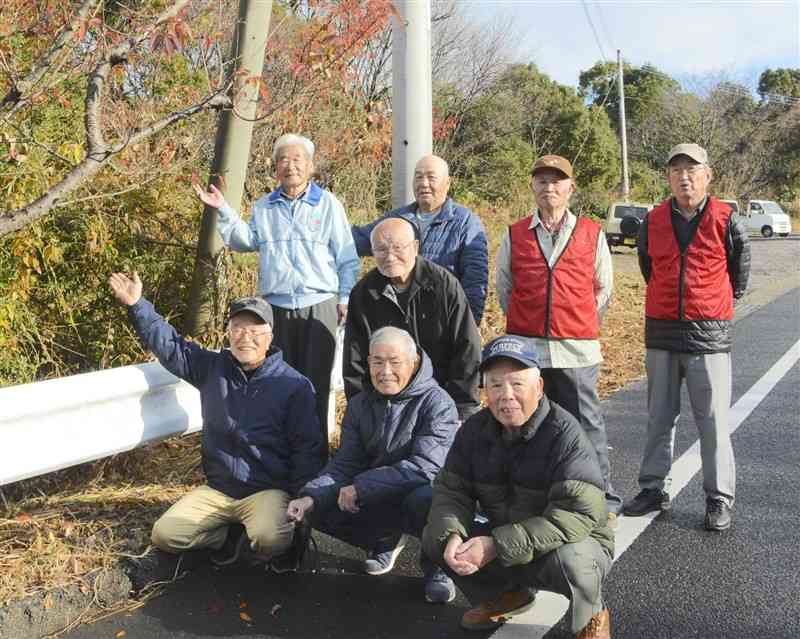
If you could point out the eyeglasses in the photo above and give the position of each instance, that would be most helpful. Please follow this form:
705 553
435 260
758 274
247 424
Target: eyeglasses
237 332
694 169
377 363
394 249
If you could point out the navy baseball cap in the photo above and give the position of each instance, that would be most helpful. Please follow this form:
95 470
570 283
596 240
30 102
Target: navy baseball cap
258 306
519 349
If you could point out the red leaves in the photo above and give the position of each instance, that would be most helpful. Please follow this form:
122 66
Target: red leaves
172 37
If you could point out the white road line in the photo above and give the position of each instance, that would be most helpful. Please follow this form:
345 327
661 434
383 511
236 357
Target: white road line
550 607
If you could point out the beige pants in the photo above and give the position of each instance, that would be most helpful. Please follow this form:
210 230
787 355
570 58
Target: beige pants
200 520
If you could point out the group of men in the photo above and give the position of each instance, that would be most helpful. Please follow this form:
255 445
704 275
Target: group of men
507 499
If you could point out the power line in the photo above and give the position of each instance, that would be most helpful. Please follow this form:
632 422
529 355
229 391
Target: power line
594 30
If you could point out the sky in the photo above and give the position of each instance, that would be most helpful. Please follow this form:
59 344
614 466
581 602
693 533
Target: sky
690 41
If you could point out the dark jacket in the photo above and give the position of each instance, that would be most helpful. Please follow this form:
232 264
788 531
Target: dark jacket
705 335
390 445
437 317
259 432
540 492
456 240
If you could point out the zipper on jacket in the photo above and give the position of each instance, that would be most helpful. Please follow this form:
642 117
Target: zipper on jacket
681 284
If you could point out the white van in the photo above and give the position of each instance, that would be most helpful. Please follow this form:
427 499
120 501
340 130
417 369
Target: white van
767 217
623 221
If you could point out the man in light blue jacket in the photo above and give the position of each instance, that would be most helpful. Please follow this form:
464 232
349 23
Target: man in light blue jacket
308 261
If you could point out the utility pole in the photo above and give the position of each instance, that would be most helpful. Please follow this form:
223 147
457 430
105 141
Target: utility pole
622 131
231 156
412 121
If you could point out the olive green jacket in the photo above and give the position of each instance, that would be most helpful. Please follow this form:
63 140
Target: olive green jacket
539 491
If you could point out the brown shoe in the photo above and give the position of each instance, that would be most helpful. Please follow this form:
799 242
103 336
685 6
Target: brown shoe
495 612
599 627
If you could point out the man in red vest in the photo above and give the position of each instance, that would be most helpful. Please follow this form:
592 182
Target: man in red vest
694 256
554 280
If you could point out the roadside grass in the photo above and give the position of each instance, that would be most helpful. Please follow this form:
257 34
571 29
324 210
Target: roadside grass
64 527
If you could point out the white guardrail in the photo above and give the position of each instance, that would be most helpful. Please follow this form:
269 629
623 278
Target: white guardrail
58 423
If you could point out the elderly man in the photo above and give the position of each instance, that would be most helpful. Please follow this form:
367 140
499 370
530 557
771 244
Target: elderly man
412 293
554 281
450 234
308 261
534 473
395 436
694 256
261 440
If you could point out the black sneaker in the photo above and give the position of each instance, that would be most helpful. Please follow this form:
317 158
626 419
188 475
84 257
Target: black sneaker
232 548
718 514
647 501
292 559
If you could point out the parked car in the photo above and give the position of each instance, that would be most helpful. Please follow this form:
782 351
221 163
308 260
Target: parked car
767 218
734 204
623 221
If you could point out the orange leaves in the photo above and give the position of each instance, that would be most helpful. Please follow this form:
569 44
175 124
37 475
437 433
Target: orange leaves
171 38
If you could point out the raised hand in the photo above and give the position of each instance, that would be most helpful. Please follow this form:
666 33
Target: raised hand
213 197
127 291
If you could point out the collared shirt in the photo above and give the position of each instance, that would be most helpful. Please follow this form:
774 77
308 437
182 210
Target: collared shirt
306 249
685 227
560 353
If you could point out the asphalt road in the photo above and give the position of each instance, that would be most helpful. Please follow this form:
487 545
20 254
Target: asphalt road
674 581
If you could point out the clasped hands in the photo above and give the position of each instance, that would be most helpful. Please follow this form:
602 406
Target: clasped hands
468 557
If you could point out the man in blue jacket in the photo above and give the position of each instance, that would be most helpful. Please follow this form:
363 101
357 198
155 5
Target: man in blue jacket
307 261
450 235
261 439
395 437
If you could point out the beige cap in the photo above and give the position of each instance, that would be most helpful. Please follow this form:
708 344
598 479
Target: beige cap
553 162
693 151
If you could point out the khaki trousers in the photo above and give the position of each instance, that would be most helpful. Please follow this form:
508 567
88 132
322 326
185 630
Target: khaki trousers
201 518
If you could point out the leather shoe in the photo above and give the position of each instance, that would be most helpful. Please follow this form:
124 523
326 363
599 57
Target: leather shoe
495 612
647 501
599 627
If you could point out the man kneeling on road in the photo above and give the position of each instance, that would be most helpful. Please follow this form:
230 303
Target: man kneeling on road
261 438
395 437
537 478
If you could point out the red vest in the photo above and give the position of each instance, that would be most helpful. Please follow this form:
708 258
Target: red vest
558 303
704 292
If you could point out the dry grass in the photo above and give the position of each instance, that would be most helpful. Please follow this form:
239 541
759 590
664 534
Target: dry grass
62 528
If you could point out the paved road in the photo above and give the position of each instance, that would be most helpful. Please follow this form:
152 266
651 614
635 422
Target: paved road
673 581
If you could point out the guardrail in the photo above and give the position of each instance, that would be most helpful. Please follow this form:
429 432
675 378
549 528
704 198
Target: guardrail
58 423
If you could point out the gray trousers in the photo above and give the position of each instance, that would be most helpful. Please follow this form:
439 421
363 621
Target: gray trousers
575 390
708 380
573 570
307 337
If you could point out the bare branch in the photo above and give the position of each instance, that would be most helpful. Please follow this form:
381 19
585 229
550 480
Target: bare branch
19 94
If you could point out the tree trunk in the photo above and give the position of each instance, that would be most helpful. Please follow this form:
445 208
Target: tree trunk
231 155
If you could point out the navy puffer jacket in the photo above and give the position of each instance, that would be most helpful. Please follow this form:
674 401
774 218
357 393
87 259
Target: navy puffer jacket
390 445
259 432
455 240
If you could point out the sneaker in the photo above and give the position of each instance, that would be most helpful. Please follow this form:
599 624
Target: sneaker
647 501
495 612
439 588
599 627
230 550
718 514
381 560
292 559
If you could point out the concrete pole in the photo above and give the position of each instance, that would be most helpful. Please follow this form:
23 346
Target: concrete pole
622 131
231 156
412 120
